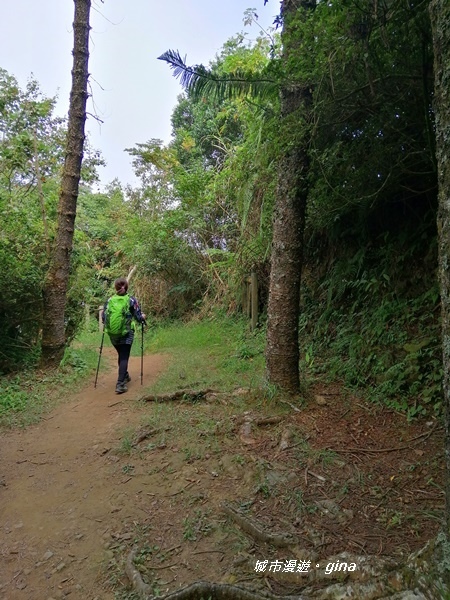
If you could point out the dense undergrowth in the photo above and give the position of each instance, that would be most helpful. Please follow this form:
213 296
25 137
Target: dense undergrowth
373 321
395 361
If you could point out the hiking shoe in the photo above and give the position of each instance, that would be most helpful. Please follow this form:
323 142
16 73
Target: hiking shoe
121 388
127 378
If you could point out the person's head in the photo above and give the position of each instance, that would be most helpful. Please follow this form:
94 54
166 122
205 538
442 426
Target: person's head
121 286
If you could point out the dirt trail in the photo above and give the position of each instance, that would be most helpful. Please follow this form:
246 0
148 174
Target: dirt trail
340 475
58 496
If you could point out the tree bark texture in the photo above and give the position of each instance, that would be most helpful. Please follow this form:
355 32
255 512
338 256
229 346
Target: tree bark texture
282 349
440 21
56 282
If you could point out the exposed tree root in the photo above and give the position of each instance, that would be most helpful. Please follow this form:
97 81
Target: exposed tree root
187 395
389 585
197 591
417 577
279 540
375 579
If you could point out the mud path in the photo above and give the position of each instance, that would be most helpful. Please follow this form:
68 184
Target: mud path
59 497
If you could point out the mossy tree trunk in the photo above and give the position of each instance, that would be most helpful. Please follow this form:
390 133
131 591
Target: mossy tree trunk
440 21
55 285
282 350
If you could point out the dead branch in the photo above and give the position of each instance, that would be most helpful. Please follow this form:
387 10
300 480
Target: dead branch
143 435
183 395
410 443
294 408
131 273
309 472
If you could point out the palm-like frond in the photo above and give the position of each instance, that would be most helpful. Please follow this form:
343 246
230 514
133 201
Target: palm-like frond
199 81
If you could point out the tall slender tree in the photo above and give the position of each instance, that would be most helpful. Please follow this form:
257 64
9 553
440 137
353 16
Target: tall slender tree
440 21
282 350
56 281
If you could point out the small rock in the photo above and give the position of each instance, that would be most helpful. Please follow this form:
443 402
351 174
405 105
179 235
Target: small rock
328 507
21 584
47 556
320 400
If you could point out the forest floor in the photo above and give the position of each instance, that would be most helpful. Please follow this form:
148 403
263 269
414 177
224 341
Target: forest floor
103 473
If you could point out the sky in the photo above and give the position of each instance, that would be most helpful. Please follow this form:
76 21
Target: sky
133 93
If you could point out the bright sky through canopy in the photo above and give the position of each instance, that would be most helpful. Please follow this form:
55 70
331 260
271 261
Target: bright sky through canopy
133 92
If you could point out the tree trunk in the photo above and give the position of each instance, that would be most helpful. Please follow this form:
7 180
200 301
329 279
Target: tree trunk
440 21
282 350
55 285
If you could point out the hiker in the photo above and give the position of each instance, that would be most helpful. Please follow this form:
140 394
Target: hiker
119 313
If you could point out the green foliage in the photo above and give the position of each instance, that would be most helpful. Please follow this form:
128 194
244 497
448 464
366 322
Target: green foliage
218 352
31 156
30 143
20 303
373 144
25 396
367 325
74 360
12 398
230 203
199 81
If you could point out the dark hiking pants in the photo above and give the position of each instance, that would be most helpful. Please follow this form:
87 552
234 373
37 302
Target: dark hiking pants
123 355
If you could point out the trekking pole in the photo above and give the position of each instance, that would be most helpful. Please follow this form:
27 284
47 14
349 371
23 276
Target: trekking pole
99 357
142 351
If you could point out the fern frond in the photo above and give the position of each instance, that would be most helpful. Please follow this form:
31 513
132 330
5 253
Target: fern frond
199 81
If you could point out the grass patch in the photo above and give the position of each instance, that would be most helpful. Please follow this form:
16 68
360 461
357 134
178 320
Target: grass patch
219 353
26 396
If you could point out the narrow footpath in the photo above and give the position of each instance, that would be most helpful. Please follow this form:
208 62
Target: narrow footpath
59 498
